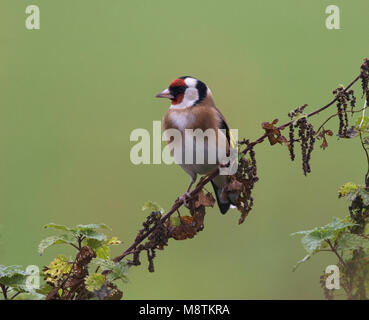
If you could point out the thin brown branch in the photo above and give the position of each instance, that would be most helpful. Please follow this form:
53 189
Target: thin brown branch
203 182
283 126
4 291
331 117
174 208
336 252
367 158
15 295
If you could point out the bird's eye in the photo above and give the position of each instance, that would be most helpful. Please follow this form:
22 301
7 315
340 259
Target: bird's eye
177 90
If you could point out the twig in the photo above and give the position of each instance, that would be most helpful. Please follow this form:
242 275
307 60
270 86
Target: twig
367 158
175 207
15 295
5 291
336 253
283 126
203 182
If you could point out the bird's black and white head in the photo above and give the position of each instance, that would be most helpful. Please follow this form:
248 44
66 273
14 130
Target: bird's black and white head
185 92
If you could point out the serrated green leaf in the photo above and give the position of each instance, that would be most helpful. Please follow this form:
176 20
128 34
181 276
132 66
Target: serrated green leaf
118 270
94 282
316 239
93 243
312 241
350 192
52 240
347 188
329 231
57 227
103 252
9 271
44 289
83 227
364 196
92 234
14 277
57 269
104 264
352 241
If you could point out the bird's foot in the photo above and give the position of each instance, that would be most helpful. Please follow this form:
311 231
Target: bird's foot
185 197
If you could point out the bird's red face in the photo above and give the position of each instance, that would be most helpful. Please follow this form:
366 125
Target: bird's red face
184 92
177 88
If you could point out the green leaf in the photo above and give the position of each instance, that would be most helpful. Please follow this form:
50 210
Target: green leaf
351 191
9 271
14 277
347 188
315 239
103 252
57 269
364 196
84 227
93 243
92 234
152 206
101 247
118 270
328 232
312 241
52 240
352 241
364 124
94 282
57 227
44 289
104 264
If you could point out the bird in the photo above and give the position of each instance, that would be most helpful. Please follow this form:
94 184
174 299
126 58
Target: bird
193 107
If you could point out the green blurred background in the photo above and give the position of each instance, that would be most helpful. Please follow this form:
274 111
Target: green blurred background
72 92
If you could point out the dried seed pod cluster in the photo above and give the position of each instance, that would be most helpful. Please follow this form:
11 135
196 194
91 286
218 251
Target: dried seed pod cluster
179 228
364 76
343 98
241 184
306 134
292 141
306 137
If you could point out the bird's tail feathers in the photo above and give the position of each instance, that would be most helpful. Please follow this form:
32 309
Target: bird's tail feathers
223 205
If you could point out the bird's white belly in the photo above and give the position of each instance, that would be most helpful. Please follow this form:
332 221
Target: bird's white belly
191 152
199 168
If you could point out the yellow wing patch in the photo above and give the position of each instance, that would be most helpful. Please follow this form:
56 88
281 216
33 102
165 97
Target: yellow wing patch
231 139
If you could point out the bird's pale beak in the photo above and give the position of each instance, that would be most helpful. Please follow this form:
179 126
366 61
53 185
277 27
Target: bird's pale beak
164 94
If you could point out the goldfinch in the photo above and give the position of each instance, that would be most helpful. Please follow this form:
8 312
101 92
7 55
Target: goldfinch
192 107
